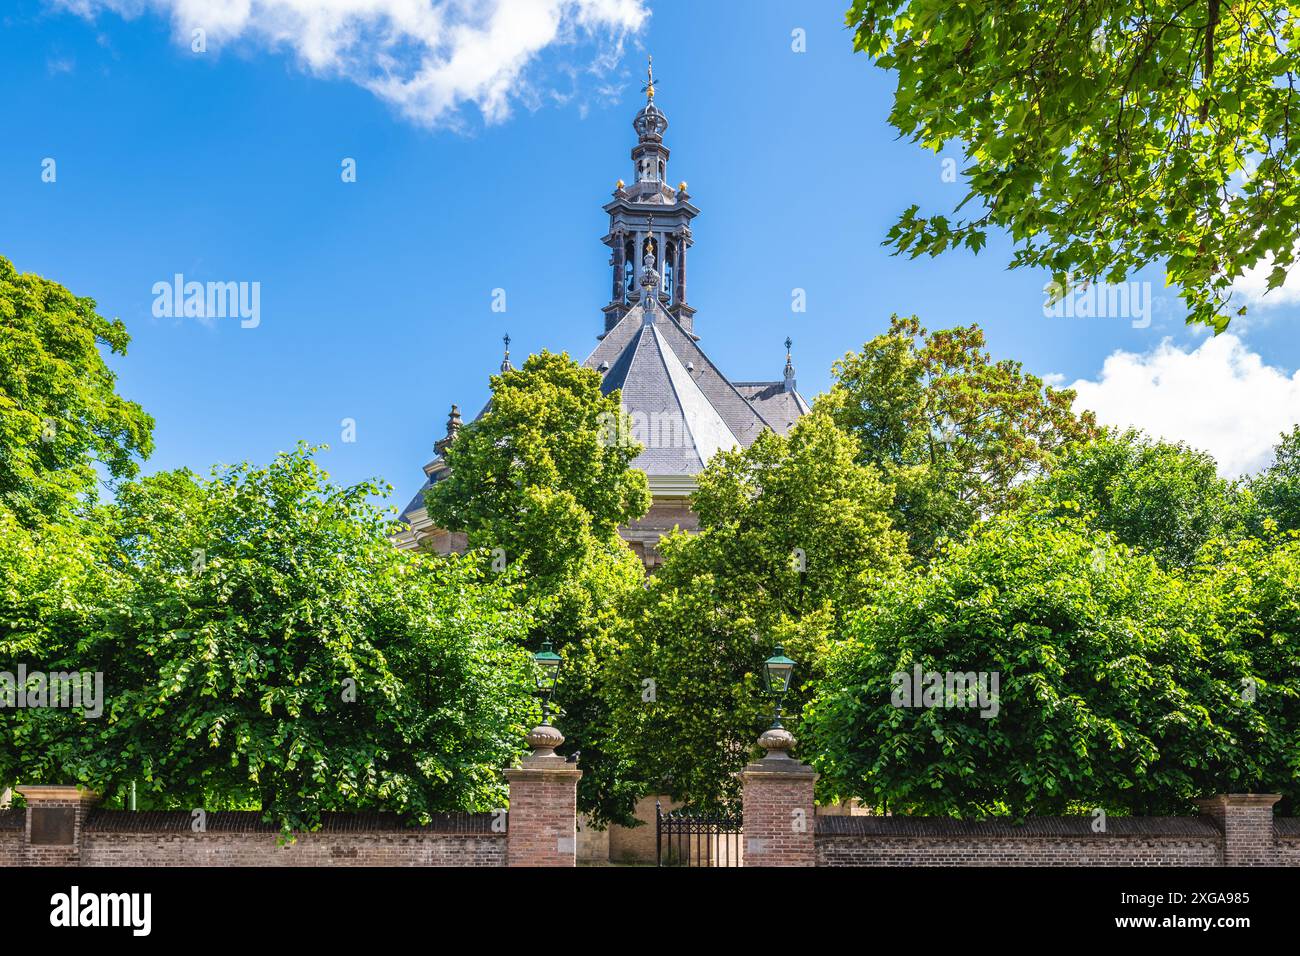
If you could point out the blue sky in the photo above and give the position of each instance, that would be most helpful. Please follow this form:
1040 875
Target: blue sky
224 165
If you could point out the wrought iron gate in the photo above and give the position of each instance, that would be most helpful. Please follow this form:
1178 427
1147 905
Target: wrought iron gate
688 839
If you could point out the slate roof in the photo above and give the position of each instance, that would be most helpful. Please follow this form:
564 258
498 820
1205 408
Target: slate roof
417 502
682 408
779 407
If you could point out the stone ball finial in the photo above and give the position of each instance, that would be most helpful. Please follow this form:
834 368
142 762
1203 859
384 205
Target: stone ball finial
777 741
544 739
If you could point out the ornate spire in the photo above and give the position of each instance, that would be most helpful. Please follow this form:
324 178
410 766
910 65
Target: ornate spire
646 190
505 362
788 385
453 428
650 123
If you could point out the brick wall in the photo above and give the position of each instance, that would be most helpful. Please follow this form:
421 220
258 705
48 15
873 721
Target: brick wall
60 827
637 844
54 824
779 813
1246 820
543 813
1287 832
1049 841
12 824
234 838
593 844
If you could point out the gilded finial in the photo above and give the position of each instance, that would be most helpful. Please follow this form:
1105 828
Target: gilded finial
505 362
649 88
620 184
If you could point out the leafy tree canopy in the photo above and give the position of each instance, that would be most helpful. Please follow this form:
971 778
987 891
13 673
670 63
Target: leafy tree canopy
1164 498
55 579
1104 136
794 532
956 432
59 413
537 475
274 650
1277 488
1254 587
544 475
1118 687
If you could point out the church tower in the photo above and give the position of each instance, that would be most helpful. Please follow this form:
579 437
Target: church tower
649 218
681 409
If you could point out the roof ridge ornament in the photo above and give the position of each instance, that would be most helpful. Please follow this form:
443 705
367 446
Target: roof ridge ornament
505 362
788 384
454 425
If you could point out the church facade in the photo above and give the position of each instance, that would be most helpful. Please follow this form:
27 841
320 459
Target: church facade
681 407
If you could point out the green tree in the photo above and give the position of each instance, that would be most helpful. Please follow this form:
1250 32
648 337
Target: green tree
794 532
543 477
274 650
1277 488
1117 689
55 580
1104 136
956 433
537 475
59 413
1164 498
1255 587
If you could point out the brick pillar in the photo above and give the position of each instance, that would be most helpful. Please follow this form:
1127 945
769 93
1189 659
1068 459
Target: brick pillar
777 799
55 816
543 828
1247 823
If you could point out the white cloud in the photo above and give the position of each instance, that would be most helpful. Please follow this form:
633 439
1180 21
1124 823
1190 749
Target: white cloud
429 58
1251 288
1220 397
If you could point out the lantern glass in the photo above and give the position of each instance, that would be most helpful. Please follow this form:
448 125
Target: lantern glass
548 668
777 671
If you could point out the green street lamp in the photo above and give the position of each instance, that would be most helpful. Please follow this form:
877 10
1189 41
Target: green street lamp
777 671
548 675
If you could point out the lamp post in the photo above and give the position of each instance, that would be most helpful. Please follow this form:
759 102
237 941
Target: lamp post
777 792
544 738
777 672
542 827
548 675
